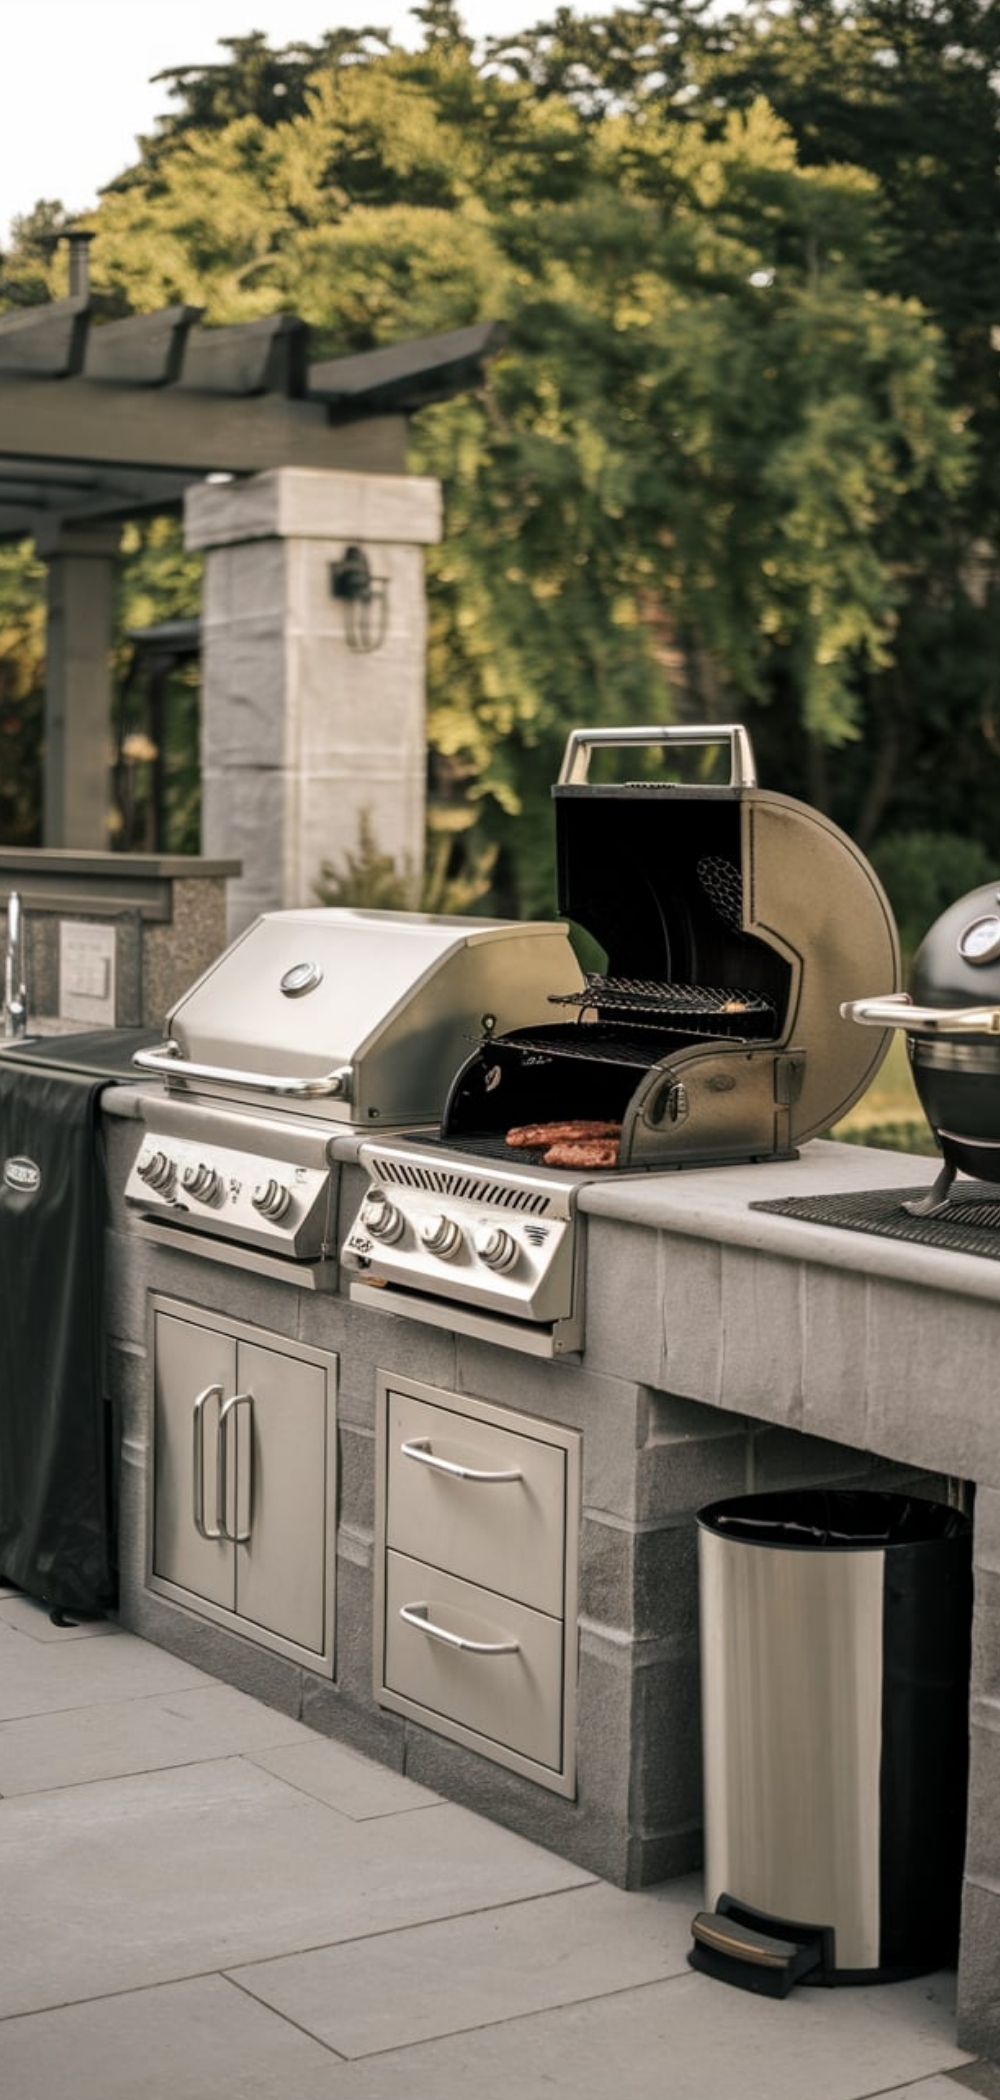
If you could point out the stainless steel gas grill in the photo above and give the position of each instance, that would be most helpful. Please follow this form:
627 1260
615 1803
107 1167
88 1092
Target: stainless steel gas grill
314 1023
730 918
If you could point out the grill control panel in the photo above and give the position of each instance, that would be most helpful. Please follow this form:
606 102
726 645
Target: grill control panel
235 1194
504 1242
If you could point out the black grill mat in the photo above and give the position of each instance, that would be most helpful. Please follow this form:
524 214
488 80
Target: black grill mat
970 1225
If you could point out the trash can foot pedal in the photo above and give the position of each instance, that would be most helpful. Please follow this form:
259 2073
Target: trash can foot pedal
756 1952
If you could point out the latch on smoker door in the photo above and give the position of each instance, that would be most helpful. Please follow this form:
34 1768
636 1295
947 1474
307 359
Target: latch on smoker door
789 1072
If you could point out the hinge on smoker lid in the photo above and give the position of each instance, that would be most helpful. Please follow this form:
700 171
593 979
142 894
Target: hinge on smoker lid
789 1072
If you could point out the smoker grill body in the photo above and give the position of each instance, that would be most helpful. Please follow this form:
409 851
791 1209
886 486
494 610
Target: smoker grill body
732 919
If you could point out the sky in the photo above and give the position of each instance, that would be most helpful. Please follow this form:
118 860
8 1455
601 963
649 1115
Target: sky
76 75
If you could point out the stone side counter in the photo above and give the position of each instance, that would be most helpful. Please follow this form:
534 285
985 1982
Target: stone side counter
158 919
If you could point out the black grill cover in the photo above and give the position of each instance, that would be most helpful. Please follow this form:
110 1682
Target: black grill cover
55 1487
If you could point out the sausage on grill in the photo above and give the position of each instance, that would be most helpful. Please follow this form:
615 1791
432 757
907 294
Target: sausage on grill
530 1136
582 1152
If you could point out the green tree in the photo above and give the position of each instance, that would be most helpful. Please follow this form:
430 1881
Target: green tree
22 694
733 458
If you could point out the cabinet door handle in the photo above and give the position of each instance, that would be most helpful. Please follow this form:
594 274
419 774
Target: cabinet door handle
241 1535
211 1392
416 1615
420 1449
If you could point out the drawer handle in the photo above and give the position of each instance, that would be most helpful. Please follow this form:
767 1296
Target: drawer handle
416 1615
420 1449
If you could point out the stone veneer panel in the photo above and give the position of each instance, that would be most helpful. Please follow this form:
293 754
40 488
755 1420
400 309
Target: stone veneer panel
932 1382
175 955
370 1342
978 1993
623 1296
834 1341
759 1327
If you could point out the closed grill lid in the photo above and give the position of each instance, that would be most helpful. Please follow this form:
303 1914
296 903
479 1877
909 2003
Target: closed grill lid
358 1012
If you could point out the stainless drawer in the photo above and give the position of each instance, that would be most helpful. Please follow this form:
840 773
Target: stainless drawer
483 1501
466 1656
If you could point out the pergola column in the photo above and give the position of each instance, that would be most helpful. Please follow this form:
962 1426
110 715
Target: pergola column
306 730
81 581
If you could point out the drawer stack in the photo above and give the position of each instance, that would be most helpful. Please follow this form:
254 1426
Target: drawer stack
476 1553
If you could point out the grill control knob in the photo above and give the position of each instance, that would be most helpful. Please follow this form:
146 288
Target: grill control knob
271 1198
494 1246
440 1235
380 1217
201 1180
158 1169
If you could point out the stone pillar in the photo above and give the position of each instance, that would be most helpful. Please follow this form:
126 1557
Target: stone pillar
78 684
304 734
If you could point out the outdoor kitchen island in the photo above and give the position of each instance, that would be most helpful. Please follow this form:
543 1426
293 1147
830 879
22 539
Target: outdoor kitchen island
725 1350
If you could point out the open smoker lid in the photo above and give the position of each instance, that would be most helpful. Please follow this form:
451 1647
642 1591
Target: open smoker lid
364 1013
731 885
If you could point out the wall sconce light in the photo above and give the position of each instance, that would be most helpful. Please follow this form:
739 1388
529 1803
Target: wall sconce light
365 599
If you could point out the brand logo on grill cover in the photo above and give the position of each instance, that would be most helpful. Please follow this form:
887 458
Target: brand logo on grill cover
22 1175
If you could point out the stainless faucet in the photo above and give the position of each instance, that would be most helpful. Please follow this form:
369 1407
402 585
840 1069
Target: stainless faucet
15 989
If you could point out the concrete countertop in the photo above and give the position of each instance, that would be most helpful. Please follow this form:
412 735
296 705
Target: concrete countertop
714 1203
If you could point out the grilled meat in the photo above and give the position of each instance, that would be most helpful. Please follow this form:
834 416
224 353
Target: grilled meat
530 1136
582 1152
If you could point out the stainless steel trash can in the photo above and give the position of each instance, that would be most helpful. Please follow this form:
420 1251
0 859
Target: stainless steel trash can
835 1637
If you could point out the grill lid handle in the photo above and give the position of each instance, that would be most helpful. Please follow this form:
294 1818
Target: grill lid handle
576 757
896 1010
167 1060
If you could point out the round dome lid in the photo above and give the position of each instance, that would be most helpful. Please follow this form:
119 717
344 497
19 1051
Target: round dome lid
958 961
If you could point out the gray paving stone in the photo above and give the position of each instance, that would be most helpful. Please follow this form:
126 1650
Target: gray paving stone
687 2039
950 2086
27 1615
355 1786
38 1677
181 2041
151 1878
108 1741
465 1973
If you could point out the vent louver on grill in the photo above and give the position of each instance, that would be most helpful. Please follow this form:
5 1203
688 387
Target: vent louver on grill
448 1181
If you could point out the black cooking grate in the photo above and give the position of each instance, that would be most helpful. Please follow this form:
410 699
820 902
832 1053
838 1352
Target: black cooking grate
970 1225
674 1008
610 1046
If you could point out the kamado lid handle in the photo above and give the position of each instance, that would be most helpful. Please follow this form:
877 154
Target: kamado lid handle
896 1010
576 757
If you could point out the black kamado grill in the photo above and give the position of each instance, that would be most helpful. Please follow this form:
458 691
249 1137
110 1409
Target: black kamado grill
951 1018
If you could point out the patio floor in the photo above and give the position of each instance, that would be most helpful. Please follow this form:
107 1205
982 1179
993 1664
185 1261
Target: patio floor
199 1896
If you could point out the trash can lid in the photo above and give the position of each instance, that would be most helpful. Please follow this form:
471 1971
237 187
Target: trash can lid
833 1519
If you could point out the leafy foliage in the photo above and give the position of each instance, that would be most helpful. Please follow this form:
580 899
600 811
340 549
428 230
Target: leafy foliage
738 458
22 694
